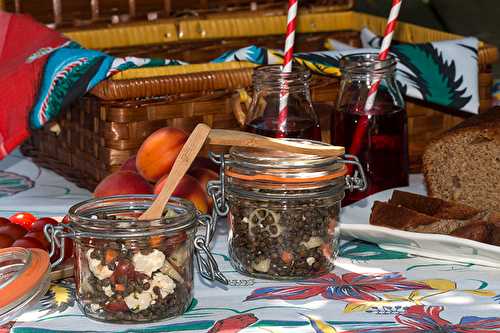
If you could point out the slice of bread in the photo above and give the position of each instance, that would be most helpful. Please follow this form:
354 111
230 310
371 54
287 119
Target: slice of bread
463 164
480 232
434 207
387 215
418 213
398 217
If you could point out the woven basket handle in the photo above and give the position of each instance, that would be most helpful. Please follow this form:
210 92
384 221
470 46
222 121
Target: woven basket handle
241 101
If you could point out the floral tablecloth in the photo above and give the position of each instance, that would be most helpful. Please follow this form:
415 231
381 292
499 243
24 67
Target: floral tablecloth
370 290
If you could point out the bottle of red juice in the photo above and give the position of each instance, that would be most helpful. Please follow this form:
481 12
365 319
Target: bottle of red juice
372 126
270 84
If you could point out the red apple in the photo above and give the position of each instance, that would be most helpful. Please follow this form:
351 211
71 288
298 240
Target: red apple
129 165
122 182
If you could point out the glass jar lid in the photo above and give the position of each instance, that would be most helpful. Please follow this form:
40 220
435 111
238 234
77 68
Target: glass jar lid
255 164
117 217
24 279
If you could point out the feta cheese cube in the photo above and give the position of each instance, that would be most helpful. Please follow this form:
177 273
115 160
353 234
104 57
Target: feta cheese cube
148 263
138 301
164 282
100 271
108 291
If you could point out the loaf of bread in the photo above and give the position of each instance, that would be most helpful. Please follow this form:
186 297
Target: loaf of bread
463 164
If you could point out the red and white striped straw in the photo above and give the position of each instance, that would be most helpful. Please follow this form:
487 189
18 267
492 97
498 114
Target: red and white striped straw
362 126
384 48
291 23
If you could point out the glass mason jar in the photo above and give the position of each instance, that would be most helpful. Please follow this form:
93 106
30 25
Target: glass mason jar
269 83
129 270
375 131
283 211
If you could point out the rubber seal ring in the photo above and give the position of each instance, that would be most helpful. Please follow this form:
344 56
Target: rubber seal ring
29 280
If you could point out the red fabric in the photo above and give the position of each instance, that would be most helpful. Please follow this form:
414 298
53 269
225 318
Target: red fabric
20 37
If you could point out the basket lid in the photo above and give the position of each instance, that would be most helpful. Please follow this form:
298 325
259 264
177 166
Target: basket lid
24 279
81 13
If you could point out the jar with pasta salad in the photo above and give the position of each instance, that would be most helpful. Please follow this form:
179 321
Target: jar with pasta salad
283 209
129 270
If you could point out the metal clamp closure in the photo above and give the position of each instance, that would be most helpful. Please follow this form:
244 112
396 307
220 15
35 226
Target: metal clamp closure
354 182
56 236
207 265
216 189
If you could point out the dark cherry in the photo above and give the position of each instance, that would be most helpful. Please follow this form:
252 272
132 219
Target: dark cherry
4 221
39 224
5 241
14 231
40 237
68 250
28 242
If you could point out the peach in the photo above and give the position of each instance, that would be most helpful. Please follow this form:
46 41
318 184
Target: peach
189 188
158 152
203 176
129 165
122 182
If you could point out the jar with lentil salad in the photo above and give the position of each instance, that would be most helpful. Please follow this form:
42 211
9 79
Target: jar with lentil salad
129 270
282 209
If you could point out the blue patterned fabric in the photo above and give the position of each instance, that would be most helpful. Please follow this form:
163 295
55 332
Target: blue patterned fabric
72 70
443 73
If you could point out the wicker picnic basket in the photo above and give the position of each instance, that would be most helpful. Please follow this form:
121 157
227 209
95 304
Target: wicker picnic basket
100 131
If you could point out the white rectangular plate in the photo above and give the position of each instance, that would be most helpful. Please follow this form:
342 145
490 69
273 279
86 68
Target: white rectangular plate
355 223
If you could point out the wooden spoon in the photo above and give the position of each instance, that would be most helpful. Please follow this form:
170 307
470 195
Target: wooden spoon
186 156
243 139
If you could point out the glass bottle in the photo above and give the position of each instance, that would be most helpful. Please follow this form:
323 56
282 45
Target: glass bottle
269 84
375 132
